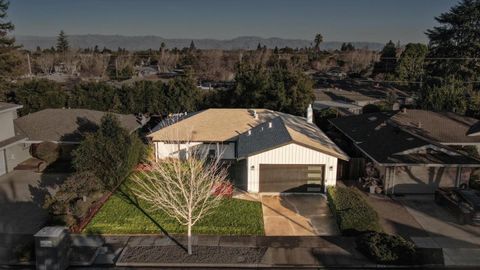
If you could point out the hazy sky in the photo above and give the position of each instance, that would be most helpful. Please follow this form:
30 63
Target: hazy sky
337 20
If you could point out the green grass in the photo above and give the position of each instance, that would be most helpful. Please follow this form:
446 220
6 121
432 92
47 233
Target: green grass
232 217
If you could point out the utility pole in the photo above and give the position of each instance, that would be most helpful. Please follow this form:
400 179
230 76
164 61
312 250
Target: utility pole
29 65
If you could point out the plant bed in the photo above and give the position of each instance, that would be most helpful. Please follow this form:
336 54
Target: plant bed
142 255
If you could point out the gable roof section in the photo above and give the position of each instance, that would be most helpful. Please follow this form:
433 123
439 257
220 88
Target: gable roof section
389 145
442 127
221 125
212 125
66 125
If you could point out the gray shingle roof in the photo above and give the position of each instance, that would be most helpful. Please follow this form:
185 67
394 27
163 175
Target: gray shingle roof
389 144
67 125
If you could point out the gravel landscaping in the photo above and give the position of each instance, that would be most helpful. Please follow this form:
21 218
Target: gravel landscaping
201 254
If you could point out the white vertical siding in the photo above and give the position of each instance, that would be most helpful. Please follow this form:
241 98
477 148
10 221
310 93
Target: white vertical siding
290 154
163 150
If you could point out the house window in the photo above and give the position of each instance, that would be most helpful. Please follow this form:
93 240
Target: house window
211 153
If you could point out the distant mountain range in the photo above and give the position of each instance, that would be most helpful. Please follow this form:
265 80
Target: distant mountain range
153 42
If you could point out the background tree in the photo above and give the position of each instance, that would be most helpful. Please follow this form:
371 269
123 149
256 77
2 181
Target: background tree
411 63
62 42
388 60
457 36
449 96
110 154
317 41
37 95
9 60
182 188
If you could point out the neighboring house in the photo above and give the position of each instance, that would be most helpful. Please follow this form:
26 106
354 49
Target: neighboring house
66 127
411 157
12 143
268 151
345 102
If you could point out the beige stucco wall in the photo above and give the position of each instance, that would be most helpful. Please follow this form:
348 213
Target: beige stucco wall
16 154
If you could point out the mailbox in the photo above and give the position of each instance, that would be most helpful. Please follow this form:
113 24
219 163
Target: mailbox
52 248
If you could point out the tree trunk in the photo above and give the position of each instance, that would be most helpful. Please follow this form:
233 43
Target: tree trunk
189 237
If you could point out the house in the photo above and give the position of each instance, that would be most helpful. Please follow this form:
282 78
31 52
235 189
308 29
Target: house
65 127
343 101
410 157
268 151
12 142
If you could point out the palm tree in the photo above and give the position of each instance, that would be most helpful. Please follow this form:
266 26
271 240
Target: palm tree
318 40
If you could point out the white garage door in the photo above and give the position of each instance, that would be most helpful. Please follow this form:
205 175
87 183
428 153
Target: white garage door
423 180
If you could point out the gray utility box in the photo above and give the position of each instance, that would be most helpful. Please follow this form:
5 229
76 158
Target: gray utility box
52 248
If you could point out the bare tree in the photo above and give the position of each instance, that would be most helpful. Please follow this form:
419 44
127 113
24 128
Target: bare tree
183 187
45 62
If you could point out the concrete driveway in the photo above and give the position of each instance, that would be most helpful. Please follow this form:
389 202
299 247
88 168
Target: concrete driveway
429 225
22 194
297 215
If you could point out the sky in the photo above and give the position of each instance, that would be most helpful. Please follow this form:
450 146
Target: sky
336 20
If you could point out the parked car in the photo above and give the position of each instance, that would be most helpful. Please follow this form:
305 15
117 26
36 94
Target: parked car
463 203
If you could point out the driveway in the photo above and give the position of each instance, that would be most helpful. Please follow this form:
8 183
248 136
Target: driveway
22 194
429 226
297 215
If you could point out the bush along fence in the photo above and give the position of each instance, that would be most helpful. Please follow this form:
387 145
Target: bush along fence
355 217
353 214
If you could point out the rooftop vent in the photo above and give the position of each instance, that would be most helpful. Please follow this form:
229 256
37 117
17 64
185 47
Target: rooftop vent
270 125
404 110
255 115
249 132
372 118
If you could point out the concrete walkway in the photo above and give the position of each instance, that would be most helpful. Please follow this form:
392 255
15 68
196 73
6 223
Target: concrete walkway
297 215
309 251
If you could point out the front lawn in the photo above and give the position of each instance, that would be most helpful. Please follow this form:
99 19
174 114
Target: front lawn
232 217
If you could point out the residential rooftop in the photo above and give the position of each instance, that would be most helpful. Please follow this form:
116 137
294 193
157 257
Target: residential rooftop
389 144
66 125
442 127
254 134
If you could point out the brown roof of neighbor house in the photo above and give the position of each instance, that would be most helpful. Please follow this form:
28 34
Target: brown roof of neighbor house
66 125
442 127
331 94
7 106
389 144
221 125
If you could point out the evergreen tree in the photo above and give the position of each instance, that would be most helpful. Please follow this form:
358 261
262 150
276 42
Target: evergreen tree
8 60
458 36
388 60
318 40
62 42
192 46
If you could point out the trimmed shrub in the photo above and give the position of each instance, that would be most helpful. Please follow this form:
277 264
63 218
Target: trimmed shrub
386 249
352 212
46 151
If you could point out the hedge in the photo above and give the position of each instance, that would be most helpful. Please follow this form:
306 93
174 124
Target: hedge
352 212
386 249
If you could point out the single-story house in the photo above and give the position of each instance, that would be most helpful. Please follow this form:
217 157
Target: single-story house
12 142
65 127
406 163
268 151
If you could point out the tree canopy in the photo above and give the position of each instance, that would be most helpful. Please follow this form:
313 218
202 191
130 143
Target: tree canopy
62 42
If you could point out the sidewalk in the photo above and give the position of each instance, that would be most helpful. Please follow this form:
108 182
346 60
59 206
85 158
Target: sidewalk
241 251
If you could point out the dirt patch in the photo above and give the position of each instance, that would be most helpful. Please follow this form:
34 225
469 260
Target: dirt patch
201 254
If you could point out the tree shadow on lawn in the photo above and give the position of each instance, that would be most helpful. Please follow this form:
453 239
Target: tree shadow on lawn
124 193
